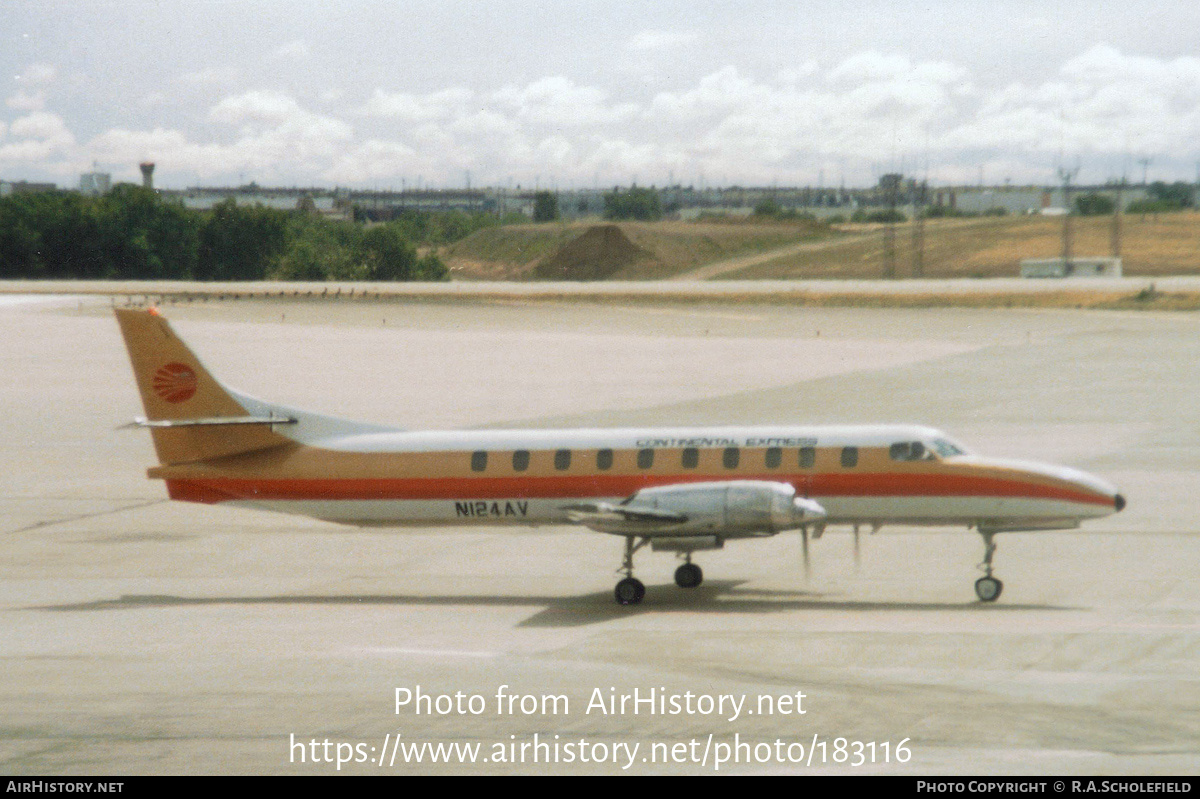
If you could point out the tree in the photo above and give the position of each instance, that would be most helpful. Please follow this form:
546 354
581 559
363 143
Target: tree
50 234
545 206
319 250
387 254
144 237
891 182
1176 195
1094 204
767 207
633 203
239 243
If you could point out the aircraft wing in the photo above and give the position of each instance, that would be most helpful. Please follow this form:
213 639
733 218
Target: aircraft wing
607 517
733 508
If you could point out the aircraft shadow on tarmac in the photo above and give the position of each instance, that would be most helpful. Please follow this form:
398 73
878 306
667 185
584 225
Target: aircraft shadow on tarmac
715 596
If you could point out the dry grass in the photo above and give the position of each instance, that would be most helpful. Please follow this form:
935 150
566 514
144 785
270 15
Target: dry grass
513 252
1166 244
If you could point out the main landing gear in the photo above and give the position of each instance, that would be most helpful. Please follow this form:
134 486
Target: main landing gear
631 591
988 588
688 575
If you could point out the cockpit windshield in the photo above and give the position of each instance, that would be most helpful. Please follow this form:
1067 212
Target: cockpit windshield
946 448
924 450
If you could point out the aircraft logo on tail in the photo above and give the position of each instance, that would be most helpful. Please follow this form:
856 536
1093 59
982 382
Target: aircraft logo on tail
175 382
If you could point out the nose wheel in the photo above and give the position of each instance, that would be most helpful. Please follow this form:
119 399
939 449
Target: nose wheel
988 588
631 590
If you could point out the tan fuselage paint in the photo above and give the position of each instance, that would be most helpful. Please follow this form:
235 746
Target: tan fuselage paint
295 471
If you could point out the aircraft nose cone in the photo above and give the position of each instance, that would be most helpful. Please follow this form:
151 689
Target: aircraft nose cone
1119 502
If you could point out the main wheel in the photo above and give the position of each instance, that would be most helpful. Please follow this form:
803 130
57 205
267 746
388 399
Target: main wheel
688 575
988 589
629 591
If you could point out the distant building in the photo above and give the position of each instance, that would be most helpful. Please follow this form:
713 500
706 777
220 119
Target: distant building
95 183
24 187
1033 199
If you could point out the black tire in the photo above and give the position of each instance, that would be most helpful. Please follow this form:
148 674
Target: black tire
988 589
688 575
629 591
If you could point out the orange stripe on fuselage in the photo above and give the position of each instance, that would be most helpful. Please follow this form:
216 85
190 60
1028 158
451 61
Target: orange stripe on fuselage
218 489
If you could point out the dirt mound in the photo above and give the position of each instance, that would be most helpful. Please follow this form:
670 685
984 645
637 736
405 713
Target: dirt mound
599 253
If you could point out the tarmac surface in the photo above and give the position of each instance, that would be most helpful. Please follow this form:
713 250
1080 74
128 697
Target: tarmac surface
140 636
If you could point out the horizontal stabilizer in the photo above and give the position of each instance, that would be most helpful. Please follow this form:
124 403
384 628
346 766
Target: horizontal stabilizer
142 421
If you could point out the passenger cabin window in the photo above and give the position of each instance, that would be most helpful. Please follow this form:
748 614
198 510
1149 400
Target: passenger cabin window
691 458
730 457
774 457
645 458
478 461
808 456
562 460
604 459
849 457
521 460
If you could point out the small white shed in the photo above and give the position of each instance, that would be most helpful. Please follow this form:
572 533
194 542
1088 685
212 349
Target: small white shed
1084 266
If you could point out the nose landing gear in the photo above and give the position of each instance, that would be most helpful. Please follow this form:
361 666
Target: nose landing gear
988 588
631 590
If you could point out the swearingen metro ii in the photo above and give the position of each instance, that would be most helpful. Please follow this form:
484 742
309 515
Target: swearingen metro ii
678 490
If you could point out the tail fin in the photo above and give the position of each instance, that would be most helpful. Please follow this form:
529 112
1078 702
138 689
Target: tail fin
192 417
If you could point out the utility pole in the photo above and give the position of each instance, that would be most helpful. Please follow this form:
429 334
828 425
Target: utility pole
891 188
1066 175
1145 162
918 229
1115 233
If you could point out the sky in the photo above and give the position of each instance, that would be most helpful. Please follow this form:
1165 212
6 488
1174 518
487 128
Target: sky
582 94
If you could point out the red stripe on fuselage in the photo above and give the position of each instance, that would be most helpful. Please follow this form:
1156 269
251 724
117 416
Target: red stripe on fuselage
217 489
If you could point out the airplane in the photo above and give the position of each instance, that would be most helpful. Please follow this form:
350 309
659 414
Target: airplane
680 490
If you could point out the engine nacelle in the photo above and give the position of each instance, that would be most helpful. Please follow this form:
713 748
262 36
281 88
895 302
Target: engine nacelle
732 508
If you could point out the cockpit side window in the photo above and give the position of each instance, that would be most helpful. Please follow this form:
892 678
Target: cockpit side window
909 451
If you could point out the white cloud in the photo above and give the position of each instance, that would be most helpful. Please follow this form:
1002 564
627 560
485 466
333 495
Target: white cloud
414 108
41 125
559 102
39 137
1100 102
792 75
863 113
660 40
37 75
21 101
209 77
374 160
296 49
256 108
868 67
